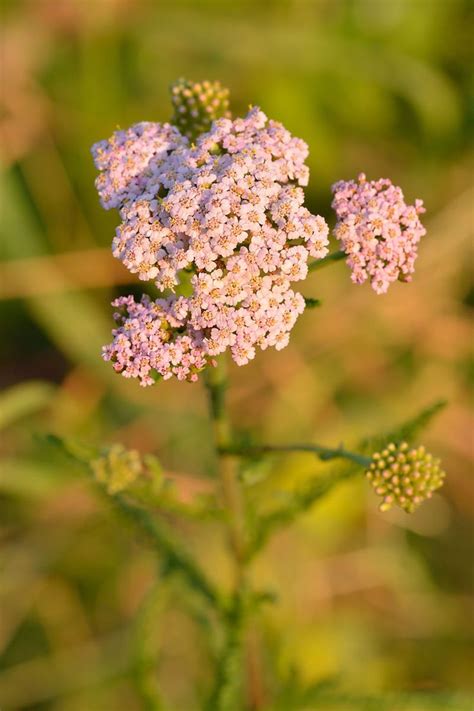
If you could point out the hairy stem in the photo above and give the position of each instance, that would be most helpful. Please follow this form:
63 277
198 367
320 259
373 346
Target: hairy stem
216 384
237 635
320 263
324 453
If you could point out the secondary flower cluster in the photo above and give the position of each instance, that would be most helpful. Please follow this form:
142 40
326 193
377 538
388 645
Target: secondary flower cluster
404 476
379 232
228 209
155 337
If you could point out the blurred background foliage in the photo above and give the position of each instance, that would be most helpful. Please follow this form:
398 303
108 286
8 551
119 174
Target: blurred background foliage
379 603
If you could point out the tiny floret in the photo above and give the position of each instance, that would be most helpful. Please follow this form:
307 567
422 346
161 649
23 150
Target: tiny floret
404 476
378 231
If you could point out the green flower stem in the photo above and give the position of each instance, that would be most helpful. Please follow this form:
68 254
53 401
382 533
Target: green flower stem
216 384
324 453
320 263
240 650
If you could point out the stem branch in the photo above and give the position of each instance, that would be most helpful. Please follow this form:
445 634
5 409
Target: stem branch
174 556
324 453
216 383
320 263
240 644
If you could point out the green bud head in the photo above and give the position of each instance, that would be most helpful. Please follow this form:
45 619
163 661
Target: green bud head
404 476
117 469
197 105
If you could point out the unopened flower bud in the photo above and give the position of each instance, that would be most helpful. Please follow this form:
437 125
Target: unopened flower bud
197 105
404 476
118 469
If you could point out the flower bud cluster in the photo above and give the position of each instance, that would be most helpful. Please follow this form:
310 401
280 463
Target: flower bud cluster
379 232
117 469
230 210
197 105
404 476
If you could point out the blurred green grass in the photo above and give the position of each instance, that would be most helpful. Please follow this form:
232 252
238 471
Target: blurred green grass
380 602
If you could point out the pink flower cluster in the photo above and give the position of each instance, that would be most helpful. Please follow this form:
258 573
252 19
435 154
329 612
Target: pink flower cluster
154 337
229 210
379 232
124 160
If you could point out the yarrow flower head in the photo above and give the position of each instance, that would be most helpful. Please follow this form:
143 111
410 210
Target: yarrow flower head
229 209
404 476
197 105
222 201
379 232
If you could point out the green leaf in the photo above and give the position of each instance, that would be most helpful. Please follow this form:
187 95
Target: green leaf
29 478
407 431
312 303
24 399
78 451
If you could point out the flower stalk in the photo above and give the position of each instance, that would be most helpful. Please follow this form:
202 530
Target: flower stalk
324 453
216 384
239 637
